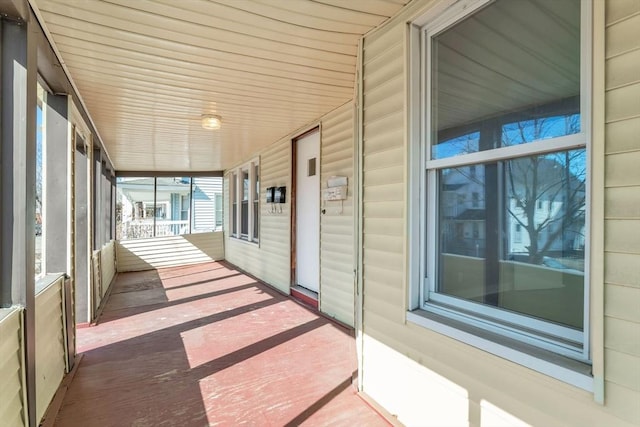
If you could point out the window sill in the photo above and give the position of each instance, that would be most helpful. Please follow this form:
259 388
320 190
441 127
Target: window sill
5 312
545 362
43 283
244 240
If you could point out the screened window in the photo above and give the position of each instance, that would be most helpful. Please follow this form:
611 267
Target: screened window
505 172
165 206
40 182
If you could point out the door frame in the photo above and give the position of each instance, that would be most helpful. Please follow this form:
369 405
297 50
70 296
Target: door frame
292 199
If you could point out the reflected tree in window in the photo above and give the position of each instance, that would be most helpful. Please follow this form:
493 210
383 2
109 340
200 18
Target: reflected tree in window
546 193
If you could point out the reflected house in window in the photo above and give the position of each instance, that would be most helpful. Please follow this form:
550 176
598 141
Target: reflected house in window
543 214
463 212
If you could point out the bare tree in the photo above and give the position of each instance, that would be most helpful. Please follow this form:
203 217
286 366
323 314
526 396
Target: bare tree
557 179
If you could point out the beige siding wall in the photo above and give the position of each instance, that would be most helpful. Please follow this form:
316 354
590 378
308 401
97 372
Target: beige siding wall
107 265
96 283
270 259
622 208
12 409
50 344
337 295
158 252
103 266
428 379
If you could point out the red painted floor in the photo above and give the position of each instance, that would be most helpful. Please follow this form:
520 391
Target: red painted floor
206 345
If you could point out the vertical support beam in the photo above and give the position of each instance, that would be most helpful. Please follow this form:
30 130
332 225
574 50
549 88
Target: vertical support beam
56 222
358 192
597 149
19 75
5 286
82 234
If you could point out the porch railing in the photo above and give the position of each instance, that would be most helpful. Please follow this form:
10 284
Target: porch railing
138 229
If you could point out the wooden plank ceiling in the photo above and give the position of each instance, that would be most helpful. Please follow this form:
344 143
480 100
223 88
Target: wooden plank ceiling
148 69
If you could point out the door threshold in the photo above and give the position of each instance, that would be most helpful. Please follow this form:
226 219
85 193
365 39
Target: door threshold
305 295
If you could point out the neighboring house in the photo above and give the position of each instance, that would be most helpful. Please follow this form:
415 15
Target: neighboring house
207 204
173 210
552 213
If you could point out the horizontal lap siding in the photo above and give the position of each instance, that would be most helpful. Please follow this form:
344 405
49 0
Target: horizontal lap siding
96 281
158 252
384 183
11 390
390 341
107 265
337 291
622 210
50 345
204 208
270 260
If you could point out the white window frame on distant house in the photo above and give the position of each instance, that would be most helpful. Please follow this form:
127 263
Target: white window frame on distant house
236 197
529 341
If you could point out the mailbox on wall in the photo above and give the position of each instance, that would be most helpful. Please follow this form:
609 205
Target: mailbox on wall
270 193
280 195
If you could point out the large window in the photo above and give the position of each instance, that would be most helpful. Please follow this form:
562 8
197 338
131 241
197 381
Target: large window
244 195
166 206
503 171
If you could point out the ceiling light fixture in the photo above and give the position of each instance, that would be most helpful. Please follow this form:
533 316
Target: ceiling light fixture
210 121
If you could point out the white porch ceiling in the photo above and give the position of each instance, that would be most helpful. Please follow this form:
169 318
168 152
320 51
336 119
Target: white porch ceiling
148 69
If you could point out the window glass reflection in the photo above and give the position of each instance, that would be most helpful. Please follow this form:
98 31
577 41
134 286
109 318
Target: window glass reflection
512 235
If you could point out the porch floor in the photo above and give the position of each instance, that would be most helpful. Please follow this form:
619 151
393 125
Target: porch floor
207 345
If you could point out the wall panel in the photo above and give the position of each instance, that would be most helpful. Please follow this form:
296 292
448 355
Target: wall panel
158 252
337 285
270 259
415 372
50 344
107 265
12 408
622 210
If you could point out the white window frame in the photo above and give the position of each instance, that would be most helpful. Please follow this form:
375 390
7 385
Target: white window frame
233 225
422 213
235 194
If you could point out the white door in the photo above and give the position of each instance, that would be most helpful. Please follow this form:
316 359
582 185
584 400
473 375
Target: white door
308 211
